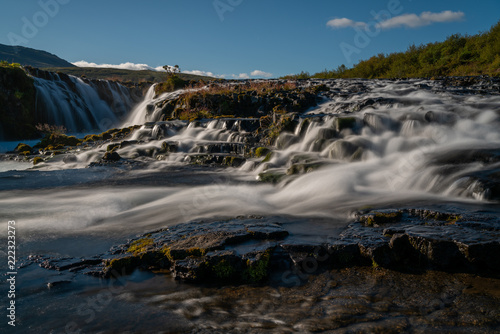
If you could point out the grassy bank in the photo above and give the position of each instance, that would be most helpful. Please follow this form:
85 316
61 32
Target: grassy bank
456 56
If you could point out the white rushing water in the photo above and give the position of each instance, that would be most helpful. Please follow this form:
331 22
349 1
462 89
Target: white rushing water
77 105
404 144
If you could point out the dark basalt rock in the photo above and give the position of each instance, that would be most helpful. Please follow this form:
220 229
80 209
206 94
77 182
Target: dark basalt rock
111 156
256 249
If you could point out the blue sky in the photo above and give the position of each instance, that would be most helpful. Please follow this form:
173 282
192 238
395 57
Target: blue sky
235 38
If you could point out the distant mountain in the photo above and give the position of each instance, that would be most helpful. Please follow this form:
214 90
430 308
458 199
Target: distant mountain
32 57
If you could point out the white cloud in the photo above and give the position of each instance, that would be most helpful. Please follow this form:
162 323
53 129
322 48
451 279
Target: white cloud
259 73
198 72
344 23
424 19
123 66
139 67
240 76
405 20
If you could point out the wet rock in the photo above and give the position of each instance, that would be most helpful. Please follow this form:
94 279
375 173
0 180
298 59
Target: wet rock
378 218
271 176
345 150
380 123
342 123
68 263
252 249
111 156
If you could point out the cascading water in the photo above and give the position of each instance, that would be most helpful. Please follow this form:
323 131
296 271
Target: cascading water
150 108
370 145
370 142
77 105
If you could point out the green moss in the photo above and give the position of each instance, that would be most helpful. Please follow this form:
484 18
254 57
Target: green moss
261 151
92 138
196 252
140 246
268 157
271 177
180 254
125 264
172 83
233 161
374 264
55 139
112 147
257 271
376 218
223 270
37 160
21 147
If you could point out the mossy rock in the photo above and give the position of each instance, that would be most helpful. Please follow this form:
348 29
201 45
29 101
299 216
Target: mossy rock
268 157
261 151
126 264
302 168
167 147
111 156
55 139
375 219
21 147
37 160
320 88
180 254
257 270
271 177
233 161
140 246
92 138
224 270
112 147
109 134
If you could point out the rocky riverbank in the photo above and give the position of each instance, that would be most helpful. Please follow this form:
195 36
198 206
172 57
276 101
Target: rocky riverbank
265 249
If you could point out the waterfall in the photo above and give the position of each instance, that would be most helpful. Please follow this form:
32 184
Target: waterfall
78 105
149 110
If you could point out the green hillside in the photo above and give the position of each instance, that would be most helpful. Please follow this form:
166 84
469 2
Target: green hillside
122 75
457 56
31 57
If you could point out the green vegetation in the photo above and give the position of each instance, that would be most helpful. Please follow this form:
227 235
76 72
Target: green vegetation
223 270
21 147
261 151
236 100
457 56
140 246
113 134
176 254
58 141
37 160
378 218
6 64
257 271
173 82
